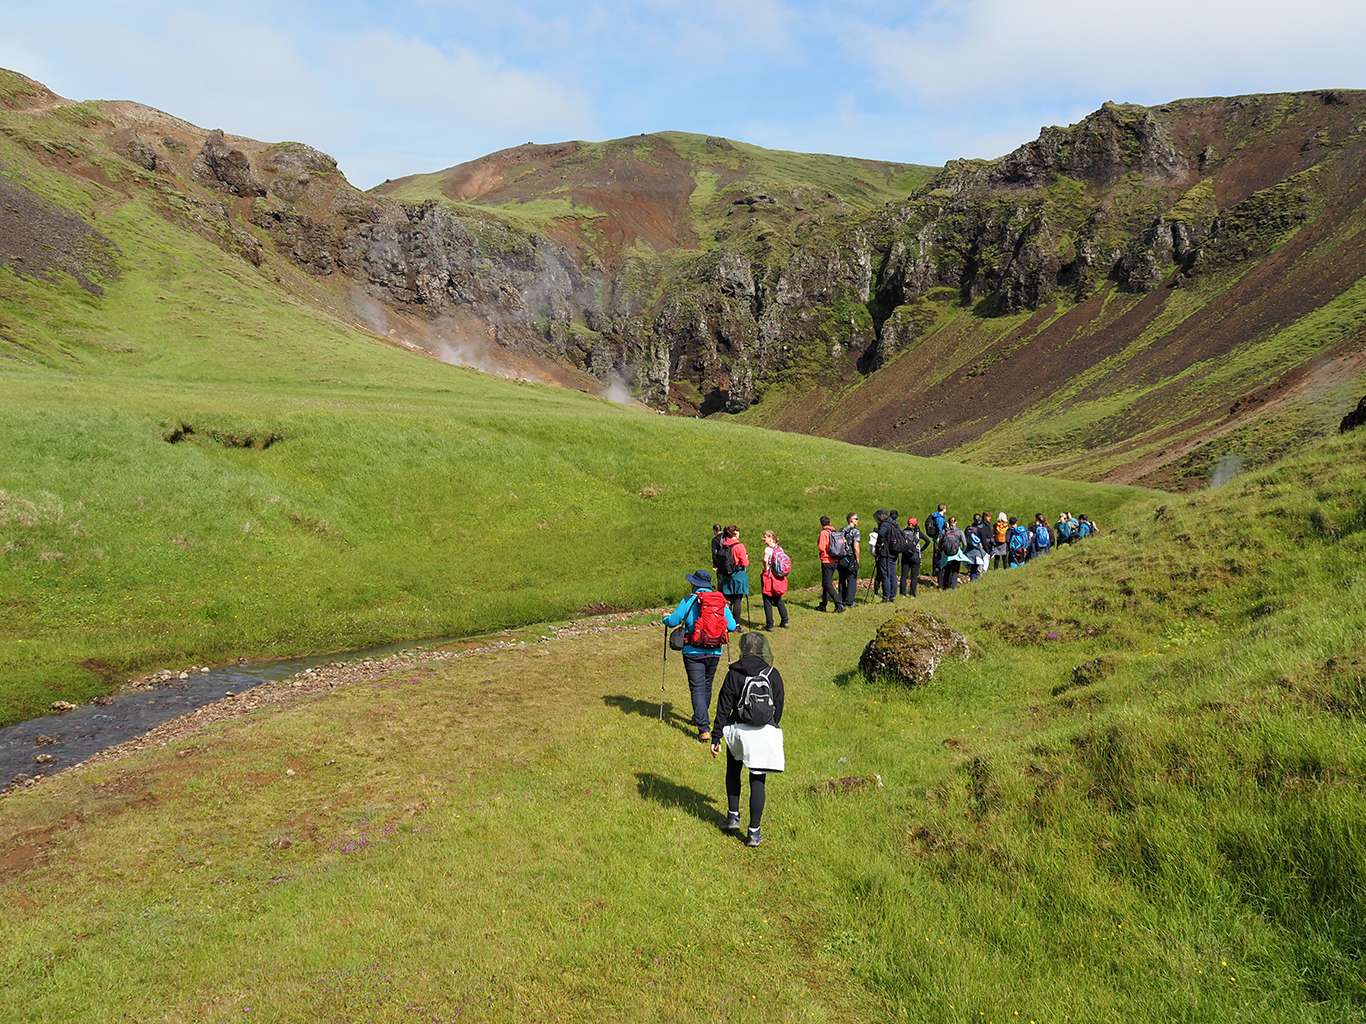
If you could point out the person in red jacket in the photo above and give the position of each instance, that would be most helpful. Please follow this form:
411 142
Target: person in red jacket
829 564
735 585
774 587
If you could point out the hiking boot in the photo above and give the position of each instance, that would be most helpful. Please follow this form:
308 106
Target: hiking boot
754 838
782 625
840 608
768 628
704 737
732 822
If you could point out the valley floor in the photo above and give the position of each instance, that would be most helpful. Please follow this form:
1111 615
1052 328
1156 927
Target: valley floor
513 835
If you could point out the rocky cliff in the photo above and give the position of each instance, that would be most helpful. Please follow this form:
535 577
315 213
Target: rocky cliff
1111 299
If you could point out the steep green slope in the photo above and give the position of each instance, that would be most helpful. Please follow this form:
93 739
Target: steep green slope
513 834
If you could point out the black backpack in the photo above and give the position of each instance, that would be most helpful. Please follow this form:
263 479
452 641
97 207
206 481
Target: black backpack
911 538
729 566
756 705
896 541
949 541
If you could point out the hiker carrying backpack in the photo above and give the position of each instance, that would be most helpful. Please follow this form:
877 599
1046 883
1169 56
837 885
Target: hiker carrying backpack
748 712
773 580
704 617
1042 541
1017 541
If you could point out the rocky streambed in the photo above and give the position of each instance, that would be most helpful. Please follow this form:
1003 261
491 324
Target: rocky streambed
162 707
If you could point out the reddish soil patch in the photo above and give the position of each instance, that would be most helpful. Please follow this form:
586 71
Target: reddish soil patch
641 185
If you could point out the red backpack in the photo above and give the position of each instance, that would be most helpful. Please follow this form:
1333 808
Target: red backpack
710 628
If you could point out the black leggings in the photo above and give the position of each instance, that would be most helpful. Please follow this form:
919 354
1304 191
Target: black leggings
736 601
756 790
769 602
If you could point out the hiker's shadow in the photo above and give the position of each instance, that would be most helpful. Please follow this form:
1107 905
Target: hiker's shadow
648 709
671 795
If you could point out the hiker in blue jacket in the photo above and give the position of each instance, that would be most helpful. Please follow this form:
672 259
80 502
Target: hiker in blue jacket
702 653
934 526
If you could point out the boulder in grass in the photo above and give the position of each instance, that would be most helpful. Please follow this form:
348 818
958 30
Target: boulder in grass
909 647
1354 419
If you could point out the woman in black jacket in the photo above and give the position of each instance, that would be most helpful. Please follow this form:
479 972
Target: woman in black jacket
910 561
750 742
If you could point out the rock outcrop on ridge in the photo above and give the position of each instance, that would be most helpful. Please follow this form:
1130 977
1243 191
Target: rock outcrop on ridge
1133 297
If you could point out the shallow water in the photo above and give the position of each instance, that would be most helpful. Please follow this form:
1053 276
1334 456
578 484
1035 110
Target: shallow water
92 728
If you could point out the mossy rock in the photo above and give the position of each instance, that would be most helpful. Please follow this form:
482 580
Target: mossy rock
909 647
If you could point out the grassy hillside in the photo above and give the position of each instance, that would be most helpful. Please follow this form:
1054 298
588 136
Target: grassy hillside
1178 840
666 190
333 490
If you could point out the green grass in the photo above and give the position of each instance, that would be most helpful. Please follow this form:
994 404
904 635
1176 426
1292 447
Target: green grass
407 498
513 836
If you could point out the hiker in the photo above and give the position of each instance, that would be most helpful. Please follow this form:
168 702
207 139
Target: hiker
1063 529
735 577
998 548
1085 527
829 564
748 712
773 580
910 561
848 567
1017 543
976 554
717 536
949 553
934 526
1041 538
987 534
890 544
708 622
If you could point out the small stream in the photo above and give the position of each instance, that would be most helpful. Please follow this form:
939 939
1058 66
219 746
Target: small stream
91 728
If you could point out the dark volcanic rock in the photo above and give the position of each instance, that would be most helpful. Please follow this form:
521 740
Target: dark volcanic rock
1355 418
224 169
909 647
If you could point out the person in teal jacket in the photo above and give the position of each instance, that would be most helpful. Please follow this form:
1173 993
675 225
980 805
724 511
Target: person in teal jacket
699 662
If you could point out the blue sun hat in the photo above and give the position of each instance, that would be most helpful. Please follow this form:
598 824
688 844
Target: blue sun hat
701 578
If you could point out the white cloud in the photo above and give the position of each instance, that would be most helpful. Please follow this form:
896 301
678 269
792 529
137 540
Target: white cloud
456 86
1162 49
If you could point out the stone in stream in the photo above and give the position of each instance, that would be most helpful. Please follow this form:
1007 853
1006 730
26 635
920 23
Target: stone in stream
44 741
45 758
61 705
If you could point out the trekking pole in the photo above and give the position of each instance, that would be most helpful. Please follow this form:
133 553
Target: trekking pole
663 673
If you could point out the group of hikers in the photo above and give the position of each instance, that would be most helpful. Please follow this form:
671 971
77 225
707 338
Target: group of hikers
749 707
954 550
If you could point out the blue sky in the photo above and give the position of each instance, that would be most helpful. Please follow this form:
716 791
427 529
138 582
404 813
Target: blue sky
394 88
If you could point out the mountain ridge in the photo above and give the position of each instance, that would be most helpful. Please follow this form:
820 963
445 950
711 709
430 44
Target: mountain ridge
1134 297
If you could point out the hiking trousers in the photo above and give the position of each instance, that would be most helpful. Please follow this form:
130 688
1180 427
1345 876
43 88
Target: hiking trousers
828 592
948 576
910 575
756 790
886 576
849 584
701 671
769 602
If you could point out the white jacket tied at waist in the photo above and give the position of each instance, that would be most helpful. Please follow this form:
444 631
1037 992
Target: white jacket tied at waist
758 747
